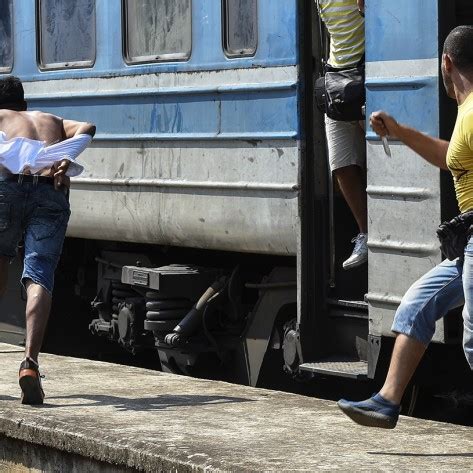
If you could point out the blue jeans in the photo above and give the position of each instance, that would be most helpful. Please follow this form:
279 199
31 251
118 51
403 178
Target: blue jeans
448 285
38 214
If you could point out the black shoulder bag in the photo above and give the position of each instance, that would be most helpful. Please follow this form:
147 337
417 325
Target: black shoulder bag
340 93
453 235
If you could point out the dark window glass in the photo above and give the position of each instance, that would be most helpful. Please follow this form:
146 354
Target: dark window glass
464 12
158 30
6 35
241 27
67 33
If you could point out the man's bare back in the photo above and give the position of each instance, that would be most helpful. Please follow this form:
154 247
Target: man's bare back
43 127
33 125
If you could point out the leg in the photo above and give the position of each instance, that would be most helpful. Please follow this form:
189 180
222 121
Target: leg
406 356
347 157
48 214
4 261
352 184
468 308
428 299
11 227
38 306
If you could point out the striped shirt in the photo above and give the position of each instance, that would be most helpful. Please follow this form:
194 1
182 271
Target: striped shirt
347 31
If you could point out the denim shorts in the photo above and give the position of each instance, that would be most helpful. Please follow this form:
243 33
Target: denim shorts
37 214
443 288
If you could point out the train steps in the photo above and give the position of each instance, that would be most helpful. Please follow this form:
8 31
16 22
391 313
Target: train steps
338 366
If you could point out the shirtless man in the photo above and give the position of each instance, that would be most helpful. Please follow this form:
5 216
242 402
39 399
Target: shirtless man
35 207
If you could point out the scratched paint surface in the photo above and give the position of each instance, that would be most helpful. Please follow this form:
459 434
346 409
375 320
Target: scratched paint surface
404 190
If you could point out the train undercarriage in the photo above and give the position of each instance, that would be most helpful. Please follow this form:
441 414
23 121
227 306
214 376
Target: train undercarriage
199 319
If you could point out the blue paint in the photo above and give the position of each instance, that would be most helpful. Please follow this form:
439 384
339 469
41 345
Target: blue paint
259 112
277 41
401 29
176 115
237 111
412 101
399 83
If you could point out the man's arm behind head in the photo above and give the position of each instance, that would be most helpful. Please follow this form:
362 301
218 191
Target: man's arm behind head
74 128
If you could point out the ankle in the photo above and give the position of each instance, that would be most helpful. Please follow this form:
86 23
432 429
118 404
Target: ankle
391 395
34 360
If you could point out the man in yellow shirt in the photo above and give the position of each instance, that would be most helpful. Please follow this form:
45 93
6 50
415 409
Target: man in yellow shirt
450 284
346 139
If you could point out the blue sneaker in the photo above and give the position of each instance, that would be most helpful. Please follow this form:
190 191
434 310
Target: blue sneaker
374 412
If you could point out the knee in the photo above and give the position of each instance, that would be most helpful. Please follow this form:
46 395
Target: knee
38 298
415 321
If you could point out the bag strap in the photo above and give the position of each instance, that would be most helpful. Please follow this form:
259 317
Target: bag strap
323 60
361 61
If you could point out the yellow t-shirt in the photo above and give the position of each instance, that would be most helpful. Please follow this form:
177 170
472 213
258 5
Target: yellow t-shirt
347 31
460 155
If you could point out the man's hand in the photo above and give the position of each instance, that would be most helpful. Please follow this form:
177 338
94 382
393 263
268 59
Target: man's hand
384 124
431 149
59 169
361 5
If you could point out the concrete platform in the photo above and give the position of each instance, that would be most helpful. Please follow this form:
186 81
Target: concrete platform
117 417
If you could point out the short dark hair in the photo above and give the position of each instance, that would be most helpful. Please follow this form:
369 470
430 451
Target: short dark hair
459 46
11 91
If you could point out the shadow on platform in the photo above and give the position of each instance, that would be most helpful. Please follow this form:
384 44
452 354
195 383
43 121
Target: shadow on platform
142 404
400 454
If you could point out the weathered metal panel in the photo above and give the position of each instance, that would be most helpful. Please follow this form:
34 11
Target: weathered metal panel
277 41
403 191
206 160
231 195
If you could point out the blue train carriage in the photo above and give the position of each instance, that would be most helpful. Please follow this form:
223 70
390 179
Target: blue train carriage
206 226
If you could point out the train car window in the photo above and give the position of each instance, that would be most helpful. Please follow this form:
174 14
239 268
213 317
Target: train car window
66 32
240 35
6 36
157 30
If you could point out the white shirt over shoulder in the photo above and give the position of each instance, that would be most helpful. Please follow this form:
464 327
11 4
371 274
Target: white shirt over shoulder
19 154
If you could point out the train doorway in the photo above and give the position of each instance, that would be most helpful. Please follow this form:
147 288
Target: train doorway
333 313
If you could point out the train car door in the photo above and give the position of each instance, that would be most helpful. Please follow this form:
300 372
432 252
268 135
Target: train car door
407 198
404 191
332 310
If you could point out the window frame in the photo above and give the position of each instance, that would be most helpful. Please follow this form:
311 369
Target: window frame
89 64
8 69
225 41
152 59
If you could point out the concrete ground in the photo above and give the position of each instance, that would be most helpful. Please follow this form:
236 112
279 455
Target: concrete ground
152 421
